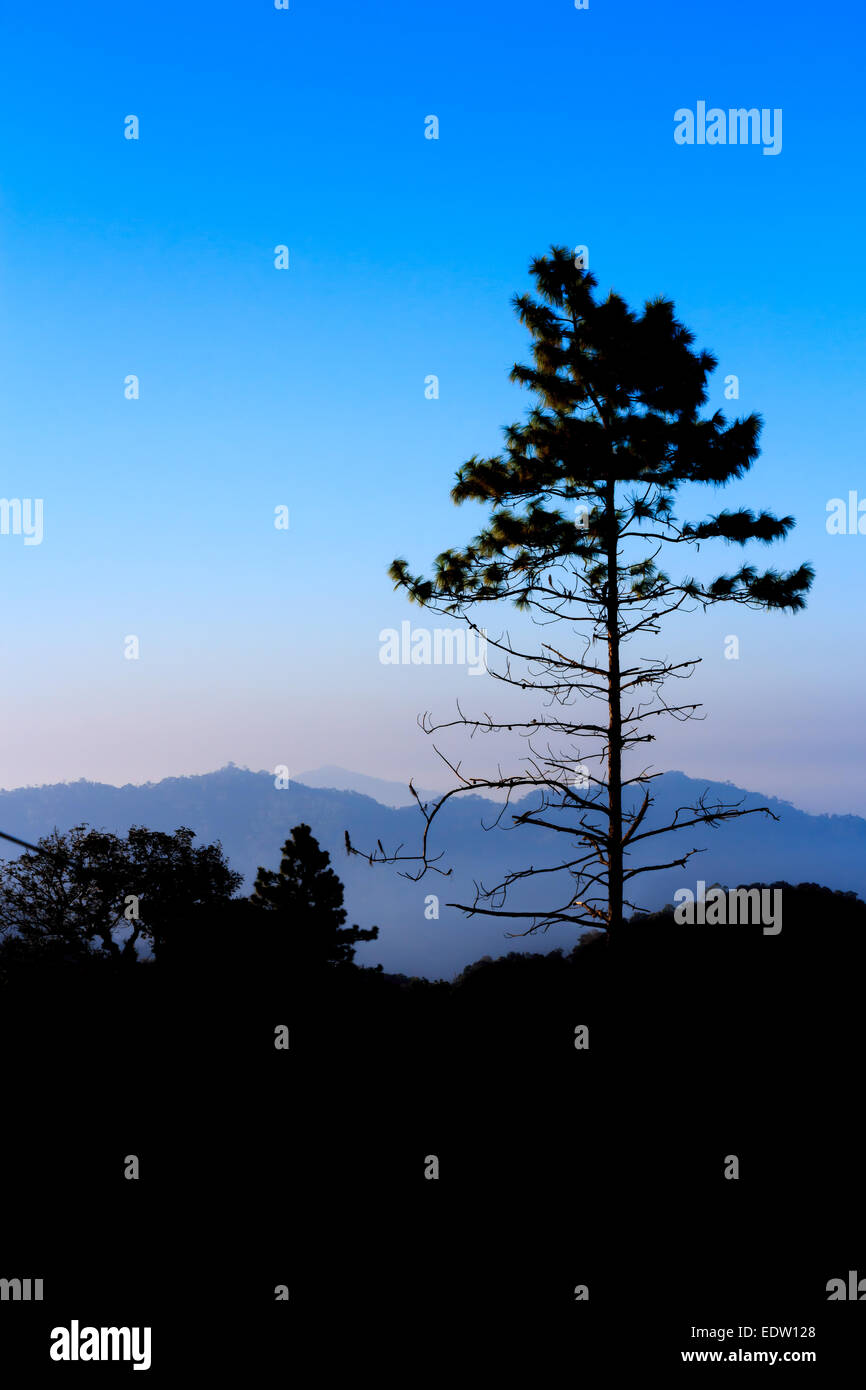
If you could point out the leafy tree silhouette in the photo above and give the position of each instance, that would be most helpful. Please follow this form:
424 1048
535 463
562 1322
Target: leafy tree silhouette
68 902
305 901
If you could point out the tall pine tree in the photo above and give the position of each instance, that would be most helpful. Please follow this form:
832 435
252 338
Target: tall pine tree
582 506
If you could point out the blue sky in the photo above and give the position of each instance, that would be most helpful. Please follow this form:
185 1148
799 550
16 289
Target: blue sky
305 387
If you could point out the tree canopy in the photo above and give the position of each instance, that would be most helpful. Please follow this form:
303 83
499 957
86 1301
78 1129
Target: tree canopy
94 895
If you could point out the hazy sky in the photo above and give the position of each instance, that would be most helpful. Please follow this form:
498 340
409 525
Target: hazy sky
305 387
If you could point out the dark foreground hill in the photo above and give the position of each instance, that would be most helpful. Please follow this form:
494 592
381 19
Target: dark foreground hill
424 1154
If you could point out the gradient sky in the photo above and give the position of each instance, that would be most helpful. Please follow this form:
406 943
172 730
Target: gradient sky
306 387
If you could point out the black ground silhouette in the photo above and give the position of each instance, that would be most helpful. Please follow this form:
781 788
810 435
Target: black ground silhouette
558 1166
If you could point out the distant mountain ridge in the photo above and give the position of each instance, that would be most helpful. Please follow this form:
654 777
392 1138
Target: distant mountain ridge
252 818
339 779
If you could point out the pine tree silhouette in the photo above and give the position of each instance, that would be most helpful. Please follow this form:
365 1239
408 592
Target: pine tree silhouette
306 898
582 507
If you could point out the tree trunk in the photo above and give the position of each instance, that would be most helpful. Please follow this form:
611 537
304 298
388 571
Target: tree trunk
614 724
